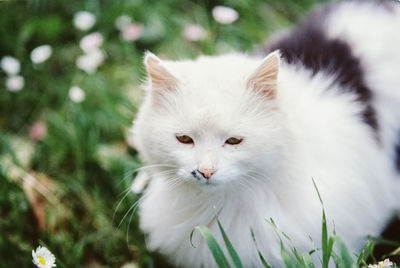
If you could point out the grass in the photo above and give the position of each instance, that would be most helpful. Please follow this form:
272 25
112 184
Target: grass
332 249
69 189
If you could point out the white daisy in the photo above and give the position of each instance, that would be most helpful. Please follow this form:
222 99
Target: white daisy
10 65
76 94
382 264
89 62
84 20
15 83
91 41
43 258
41 54
132 32
194 32
225 15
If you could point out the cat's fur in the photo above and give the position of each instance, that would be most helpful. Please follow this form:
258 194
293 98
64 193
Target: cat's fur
325 110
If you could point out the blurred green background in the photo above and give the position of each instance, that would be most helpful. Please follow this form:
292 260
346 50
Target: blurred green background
66 160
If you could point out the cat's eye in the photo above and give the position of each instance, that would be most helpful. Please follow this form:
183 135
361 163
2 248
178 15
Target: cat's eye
184 139
233 141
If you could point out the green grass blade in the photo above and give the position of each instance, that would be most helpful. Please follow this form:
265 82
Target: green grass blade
331 242
319 195
287 259
264 262
299 258
365 253
307 260
338 261
231 250
394 252
315 249
212 244
347 260
327 243
384 241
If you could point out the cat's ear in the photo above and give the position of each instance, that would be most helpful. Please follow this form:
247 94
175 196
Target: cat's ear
265 77
159 76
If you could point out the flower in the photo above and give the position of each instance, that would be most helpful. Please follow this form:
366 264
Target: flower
41 54
10 65
194 32
84 20
43 258
382 264
123 21
224 15
129 31
132 32
93 57
38 131
15 83
90 61
76 94
91 41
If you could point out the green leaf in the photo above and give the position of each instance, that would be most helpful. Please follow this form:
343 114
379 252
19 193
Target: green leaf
264 262
231 250
212 244
327 243
346 259
319 195
287 259
331 242
307 260
365 253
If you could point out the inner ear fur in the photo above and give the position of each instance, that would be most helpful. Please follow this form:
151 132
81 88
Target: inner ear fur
265 78
159 76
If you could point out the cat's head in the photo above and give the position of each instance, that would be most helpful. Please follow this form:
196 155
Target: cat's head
213 120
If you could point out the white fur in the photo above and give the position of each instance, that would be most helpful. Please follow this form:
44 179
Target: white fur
308 131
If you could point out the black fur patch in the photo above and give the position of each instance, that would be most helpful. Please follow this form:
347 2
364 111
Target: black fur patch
390 242
308 45
398 155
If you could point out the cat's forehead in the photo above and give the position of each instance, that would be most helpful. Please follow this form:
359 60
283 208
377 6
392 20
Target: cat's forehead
212 92
214 84
218 71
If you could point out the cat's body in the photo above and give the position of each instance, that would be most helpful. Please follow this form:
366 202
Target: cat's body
339 125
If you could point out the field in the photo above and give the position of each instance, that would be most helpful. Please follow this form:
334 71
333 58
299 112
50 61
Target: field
66 106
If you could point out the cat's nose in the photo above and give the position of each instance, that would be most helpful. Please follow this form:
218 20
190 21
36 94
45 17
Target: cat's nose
207 172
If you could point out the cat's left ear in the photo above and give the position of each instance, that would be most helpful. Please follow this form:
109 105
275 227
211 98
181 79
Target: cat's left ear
265 78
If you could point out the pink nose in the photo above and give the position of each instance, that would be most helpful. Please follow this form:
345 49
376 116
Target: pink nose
207 172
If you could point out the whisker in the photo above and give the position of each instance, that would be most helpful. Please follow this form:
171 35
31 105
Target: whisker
132 208
154 166
135 204
126 214
127 175
129 223
127 191
124 191
131 172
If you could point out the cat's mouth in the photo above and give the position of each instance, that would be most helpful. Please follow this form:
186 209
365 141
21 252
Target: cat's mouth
204 180
198 175
196 178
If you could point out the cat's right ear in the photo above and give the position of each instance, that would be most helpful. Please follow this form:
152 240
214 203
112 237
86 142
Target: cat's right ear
159 76
264 80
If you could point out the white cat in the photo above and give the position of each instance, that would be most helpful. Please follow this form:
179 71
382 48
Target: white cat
242 137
